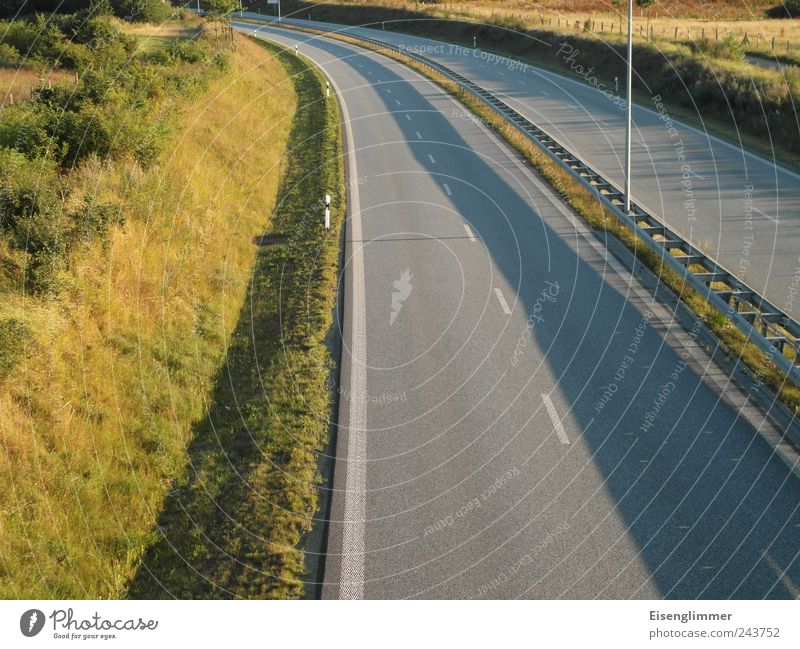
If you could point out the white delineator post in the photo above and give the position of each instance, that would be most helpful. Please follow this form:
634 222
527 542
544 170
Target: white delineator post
630 110
327 211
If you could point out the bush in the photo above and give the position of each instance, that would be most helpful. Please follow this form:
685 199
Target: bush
41 41
23 130
9 56
97 32
93 221
31 212
13 336
146 11
729 48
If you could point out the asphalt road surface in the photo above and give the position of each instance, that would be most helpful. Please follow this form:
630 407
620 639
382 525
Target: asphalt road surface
518 418
741 209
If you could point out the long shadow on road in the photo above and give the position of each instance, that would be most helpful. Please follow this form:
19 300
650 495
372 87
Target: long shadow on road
712 510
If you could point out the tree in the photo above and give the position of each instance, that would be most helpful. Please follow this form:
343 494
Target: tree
220 9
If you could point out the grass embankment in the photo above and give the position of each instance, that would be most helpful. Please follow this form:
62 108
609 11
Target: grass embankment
104 378
702 81
588 206
231 526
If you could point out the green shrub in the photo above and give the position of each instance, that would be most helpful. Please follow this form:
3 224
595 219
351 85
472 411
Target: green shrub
23 130
13 336
729 48
146 11
9 56
93 220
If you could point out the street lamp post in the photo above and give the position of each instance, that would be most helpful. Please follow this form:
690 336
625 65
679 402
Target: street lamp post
630 110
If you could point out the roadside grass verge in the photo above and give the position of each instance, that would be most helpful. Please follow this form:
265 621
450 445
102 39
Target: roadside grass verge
102 381
598 217
231 526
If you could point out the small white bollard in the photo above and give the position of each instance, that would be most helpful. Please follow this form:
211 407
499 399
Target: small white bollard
327 88
327 211
295 49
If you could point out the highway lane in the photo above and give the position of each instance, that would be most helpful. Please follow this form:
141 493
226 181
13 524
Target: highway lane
741 209
483 326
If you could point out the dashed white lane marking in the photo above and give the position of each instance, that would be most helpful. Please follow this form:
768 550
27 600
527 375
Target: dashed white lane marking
545 93
764 214
419 137
408 117
447 189
351 580
502 74
781 573
430 157
573 106
559 427
502 300
470 234
389 90
397 102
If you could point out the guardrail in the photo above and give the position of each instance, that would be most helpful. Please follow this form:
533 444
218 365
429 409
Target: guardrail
773 331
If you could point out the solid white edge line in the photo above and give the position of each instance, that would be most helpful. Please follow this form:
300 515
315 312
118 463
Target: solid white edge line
351 582
559 427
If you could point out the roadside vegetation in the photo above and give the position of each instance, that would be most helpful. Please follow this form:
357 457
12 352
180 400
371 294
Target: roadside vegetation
134 185
231 526
703 75
586 204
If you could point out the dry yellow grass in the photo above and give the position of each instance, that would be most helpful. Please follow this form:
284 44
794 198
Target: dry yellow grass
710 20
16 83
95 419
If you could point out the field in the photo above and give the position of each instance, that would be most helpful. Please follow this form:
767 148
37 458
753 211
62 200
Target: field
16 83
680 20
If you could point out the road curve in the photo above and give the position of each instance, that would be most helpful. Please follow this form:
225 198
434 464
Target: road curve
741 209
518 418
